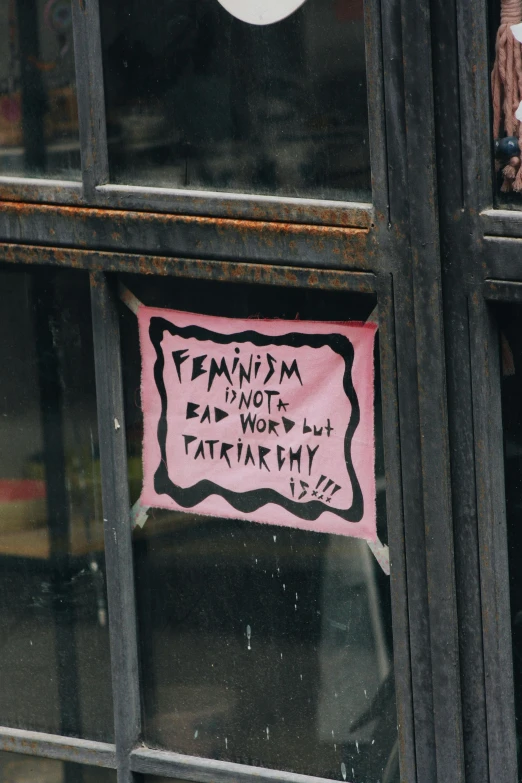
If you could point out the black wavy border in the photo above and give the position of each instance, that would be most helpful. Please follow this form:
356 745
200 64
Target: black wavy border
254 499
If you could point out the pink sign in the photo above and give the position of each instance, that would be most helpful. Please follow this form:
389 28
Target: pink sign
270 421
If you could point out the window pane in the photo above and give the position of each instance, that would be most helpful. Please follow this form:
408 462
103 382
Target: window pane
259 644
15 768
198 98
53 613
38 111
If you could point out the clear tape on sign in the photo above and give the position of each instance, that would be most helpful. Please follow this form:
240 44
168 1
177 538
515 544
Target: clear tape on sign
139 515
128 298
381 553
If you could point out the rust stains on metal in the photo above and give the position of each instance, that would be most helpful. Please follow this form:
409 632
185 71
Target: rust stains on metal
265 240
220 271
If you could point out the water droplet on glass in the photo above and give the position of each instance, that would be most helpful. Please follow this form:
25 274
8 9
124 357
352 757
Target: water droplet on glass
249 636
296 596
343 770
196 734
284 586
365 694
267 733
373 742
275 539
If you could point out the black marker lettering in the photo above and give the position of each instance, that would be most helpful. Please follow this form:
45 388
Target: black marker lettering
197 366
293 370
247 420
216 369
311 455
263 451
271 363
223 454
211 444
179 358
295 456
188 440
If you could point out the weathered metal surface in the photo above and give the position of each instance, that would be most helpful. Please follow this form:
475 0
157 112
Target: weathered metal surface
90 90
48 191
222 271
176 765
116 519
185 202
242 206
501 222
188 236
501 258
502 291
35 743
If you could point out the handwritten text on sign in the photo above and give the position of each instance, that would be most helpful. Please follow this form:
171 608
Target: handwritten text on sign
270 421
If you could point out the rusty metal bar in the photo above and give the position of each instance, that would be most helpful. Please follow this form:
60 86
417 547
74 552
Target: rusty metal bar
49 190
190 236
236 205
221 271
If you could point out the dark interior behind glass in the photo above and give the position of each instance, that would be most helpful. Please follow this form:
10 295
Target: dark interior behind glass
199 99
259 644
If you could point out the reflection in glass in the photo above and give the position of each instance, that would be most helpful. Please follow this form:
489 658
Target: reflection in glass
261 645
53 615
198 99
16 768
38 111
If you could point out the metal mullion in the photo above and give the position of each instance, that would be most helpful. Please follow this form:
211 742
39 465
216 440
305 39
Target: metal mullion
376 119
52 746
494 565
116 516
90 93
395 523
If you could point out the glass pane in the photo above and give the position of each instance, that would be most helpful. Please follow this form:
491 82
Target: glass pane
198 98
55 673
15 768
38 111
260 644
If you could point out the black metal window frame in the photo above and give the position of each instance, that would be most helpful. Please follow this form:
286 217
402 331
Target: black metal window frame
481 260
391 247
